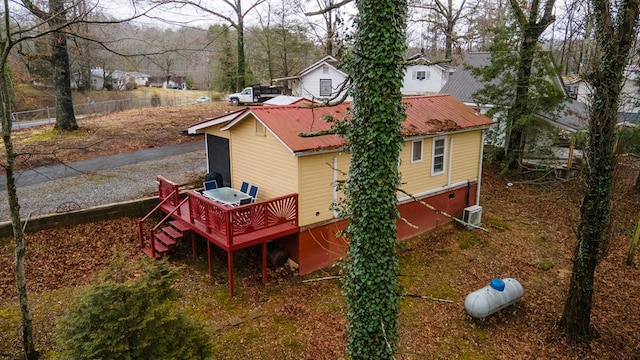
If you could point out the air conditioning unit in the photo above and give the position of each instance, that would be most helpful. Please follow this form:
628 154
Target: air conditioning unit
472 215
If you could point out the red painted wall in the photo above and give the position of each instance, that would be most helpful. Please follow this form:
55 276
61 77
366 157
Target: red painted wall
451 202
321 246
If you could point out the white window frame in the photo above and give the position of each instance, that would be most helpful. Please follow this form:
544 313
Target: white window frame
416 158
324 87
434 156
420 75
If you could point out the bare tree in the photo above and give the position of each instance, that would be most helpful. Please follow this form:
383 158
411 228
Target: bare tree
56 17
488 15
575 23
444 16
12 34
279 46
329 10
235 20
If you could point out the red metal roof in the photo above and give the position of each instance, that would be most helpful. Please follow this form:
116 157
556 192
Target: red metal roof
426 115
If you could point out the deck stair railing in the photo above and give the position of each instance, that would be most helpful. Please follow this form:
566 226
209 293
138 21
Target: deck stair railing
169 231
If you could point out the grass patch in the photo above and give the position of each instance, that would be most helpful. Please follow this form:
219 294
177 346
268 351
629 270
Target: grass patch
545 265
496 223
467 239
9 326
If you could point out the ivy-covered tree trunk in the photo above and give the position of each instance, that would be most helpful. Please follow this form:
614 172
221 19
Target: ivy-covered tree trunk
6 95
615 35
374 139
531 28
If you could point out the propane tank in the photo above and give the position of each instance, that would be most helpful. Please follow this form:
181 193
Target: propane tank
499 294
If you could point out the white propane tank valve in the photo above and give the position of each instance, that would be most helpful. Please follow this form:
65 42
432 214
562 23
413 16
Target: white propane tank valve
499 294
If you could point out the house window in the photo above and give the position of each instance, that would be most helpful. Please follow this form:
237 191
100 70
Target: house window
420 75
325 69
325 87
260 130
438 156
416 151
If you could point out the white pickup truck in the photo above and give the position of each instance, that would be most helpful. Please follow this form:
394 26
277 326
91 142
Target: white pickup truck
254 94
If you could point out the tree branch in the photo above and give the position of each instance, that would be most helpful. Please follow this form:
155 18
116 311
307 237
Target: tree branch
440 212
328 8
426 297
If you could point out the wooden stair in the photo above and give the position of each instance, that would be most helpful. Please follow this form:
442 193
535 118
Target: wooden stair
167 238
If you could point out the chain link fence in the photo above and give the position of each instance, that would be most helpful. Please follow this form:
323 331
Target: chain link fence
90 108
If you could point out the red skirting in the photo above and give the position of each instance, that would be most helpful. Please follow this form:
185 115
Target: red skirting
320 246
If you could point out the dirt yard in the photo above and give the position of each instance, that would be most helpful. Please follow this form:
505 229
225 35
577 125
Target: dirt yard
531 235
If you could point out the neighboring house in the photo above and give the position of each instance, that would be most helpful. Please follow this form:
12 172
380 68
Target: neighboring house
320 81
323 80
463 85
422 77
580 90
97 79
127 80
440 164
174 82
121 80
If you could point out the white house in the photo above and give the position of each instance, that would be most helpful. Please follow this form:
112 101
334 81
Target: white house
121 80
124 80
463 86
580 90
96 81
320 81
423 77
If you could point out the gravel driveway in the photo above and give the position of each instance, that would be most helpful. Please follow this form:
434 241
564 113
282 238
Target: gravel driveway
108 186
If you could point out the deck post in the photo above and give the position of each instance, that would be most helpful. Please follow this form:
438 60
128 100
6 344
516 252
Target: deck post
264 263
209 260
230 265
194 245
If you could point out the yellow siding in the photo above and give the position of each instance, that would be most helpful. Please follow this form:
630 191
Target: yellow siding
416 177
264 161
261 160
215 130
466 156
316 174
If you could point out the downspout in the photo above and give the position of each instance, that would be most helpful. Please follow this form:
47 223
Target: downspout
450 169
480 170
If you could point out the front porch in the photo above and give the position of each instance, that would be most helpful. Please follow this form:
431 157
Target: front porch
229 228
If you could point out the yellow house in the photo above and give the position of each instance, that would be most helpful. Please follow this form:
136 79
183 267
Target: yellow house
440 164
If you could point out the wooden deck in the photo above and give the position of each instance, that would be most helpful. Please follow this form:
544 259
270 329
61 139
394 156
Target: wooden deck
229 228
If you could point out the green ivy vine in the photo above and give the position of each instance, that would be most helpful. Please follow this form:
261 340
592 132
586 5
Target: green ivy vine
374 139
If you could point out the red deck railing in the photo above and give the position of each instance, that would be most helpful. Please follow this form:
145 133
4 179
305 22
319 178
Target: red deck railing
230 228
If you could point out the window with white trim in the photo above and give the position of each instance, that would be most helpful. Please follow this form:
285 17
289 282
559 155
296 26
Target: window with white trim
325 87
416 151
420 75
439 146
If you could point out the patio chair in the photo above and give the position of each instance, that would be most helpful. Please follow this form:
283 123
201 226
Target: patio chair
253 192
210 185
244 187
245 201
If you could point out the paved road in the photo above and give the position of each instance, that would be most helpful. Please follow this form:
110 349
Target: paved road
48 173
104 180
